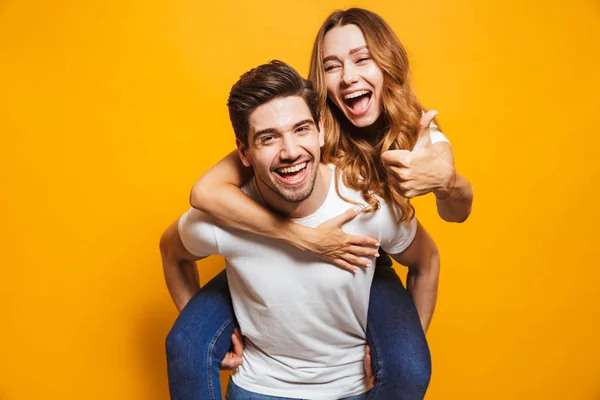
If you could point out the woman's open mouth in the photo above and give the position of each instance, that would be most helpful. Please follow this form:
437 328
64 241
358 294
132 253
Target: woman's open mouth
358 102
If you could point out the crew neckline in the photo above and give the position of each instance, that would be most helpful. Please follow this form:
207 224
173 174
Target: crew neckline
327 198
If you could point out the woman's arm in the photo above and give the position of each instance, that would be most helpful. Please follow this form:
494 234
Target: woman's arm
218 194
454 199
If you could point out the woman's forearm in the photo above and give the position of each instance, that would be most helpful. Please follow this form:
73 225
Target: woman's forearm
455 201
231 207
218 194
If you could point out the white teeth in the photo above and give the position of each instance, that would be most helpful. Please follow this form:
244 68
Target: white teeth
295 168
355 94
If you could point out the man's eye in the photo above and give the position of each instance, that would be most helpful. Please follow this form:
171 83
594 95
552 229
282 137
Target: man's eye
266 139
303 129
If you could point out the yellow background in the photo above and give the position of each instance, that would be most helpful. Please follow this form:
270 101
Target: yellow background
109 110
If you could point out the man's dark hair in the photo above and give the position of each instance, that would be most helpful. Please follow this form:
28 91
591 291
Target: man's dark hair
261 85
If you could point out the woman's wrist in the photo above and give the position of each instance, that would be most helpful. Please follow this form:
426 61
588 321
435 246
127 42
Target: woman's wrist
448 184
297 235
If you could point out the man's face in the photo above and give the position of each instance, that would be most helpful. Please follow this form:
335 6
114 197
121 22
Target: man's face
284 147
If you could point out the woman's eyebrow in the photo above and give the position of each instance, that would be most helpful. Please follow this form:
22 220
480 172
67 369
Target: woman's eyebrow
353 51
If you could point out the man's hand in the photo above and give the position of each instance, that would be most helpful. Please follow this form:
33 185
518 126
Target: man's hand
332 244
233 358
368 364
424 169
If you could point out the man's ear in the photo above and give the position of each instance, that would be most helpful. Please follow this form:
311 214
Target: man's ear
321 133
243 153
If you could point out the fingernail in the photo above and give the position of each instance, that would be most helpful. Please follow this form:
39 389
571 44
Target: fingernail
377 244
376 254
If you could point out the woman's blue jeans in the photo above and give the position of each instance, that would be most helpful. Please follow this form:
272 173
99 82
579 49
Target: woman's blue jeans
202 333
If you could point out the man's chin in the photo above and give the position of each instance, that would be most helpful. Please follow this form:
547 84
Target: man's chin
296 195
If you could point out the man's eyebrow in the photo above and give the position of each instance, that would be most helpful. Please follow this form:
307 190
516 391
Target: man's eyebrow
355 50
264 132
275 130
304 122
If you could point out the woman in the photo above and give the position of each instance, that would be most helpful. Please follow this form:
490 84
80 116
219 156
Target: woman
371 121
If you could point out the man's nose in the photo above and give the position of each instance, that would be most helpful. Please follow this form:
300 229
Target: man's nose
290 149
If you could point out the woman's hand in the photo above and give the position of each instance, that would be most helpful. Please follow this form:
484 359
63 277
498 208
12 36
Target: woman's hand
332 244
427 168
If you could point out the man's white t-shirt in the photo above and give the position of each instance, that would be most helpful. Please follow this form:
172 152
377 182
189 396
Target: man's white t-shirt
303 320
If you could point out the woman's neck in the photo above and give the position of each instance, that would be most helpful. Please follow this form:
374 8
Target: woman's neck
372 133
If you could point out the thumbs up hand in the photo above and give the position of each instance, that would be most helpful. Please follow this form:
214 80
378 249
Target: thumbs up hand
424 140
428 167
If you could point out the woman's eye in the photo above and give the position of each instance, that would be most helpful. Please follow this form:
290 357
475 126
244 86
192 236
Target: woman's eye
331 68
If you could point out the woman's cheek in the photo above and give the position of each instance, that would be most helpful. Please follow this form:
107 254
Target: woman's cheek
334 99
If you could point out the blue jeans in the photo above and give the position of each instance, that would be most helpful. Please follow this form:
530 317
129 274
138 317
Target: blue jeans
202 333
234 392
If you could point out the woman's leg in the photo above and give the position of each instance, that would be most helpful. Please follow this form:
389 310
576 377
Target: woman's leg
198 341
399 350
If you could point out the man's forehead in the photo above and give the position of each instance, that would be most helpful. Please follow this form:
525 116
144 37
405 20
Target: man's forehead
281 113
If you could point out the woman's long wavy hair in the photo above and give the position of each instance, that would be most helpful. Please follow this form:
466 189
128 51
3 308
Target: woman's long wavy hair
356 157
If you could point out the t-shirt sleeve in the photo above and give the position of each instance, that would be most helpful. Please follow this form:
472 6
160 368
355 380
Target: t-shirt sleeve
197 233
396 236
435 134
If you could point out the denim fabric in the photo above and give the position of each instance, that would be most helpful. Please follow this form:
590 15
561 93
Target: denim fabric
399 349
234 392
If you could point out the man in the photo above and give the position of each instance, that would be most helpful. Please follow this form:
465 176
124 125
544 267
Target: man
303 321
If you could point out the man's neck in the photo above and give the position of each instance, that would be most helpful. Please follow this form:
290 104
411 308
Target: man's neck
306 207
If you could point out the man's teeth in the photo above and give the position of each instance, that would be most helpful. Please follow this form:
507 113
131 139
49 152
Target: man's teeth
355 94
289 170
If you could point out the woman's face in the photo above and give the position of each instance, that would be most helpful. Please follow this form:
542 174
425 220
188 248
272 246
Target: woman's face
354 81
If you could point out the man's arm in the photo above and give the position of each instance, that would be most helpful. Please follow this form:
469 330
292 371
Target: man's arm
179 267
423 262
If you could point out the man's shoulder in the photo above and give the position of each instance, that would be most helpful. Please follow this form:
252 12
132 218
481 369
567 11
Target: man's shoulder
197 233
195 220
349 193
